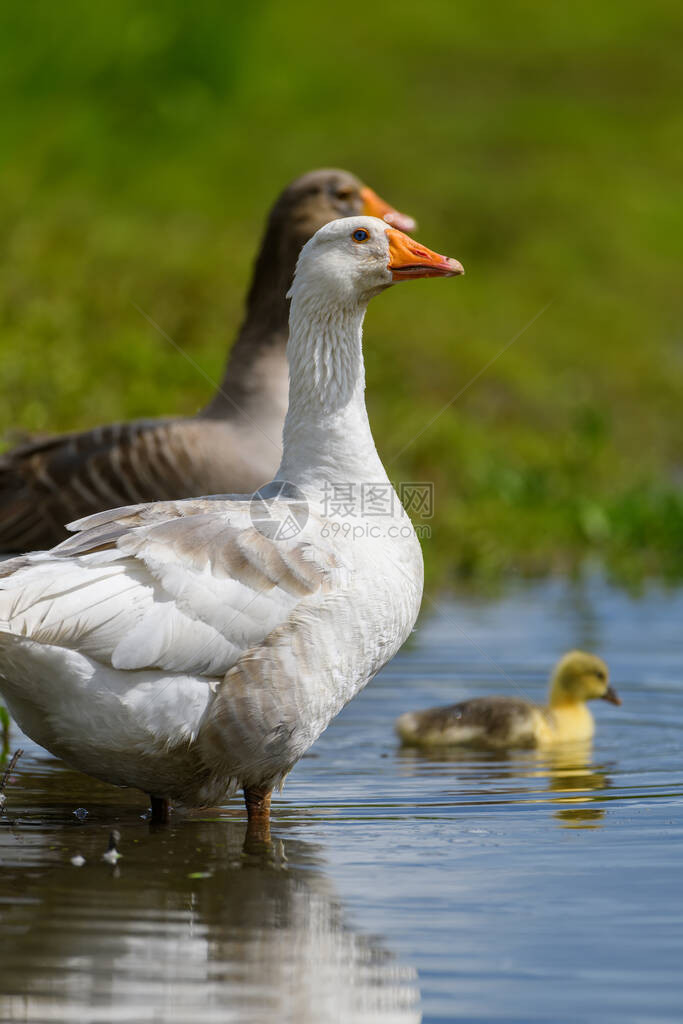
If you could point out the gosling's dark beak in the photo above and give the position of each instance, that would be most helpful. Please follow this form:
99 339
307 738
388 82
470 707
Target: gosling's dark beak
611 695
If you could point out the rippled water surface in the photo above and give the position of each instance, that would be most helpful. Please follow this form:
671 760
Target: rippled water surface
398 886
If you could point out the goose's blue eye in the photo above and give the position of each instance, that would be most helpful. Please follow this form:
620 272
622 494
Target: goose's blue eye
361 235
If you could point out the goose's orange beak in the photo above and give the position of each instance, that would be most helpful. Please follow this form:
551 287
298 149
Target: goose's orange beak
410 259
374 206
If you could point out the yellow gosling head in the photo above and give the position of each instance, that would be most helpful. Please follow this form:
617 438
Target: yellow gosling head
579 677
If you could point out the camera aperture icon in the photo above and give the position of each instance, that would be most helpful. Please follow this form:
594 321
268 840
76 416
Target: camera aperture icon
279 510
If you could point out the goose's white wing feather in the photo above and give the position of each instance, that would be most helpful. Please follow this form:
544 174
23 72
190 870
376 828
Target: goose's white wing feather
181 586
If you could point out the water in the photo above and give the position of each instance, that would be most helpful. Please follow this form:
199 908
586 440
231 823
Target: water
398 886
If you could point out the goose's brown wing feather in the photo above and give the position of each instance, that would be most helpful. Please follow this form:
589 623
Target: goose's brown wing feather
47 483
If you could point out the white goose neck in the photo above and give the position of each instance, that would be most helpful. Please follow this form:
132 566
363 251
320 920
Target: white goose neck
327 437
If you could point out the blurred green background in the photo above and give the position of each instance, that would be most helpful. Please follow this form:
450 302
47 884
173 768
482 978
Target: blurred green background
538 143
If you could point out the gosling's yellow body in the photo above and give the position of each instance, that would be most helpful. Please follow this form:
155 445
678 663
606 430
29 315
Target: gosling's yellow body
505 722
569 723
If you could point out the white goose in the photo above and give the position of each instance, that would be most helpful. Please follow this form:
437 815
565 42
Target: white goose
187 648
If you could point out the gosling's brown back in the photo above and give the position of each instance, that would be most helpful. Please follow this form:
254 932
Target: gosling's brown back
482 721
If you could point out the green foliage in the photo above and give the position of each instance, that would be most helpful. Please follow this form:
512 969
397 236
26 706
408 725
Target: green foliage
5 723
535 142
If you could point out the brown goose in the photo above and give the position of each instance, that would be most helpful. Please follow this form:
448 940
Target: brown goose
232 445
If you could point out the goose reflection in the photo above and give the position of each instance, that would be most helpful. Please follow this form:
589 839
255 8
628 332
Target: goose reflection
193 924
575 783
570 782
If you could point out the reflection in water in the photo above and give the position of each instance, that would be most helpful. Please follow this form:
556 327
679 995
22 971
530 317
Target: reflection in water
190 925
571 775
459 862
567 771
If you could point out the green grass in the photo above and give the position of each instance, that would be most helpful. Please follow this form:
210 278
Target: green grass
539 144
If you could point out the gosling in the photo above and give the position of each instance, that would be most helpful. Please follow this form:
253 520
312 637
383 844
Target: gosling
498 723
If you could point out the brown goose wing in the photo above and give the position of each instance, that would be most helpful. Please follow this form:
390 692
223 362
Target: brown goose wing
47 483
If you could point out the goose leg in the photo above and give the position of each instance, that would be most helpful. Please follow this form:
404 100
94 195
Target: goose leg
257 799
160 810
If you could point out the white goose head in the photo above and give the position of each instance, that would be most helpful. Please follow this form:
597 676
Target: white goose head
344 264
349 261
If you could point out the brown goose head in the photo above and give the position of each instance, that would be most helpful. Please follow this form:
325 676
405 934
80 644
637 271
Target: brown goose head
302 208
318 197
256 376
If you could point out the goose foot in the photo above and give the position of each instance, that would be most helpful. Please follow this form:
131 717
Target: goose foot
257 799
160 810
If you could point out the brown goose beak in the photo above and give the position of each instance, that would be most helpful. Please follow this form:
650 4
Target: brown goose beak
374 206
410 259
611 695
